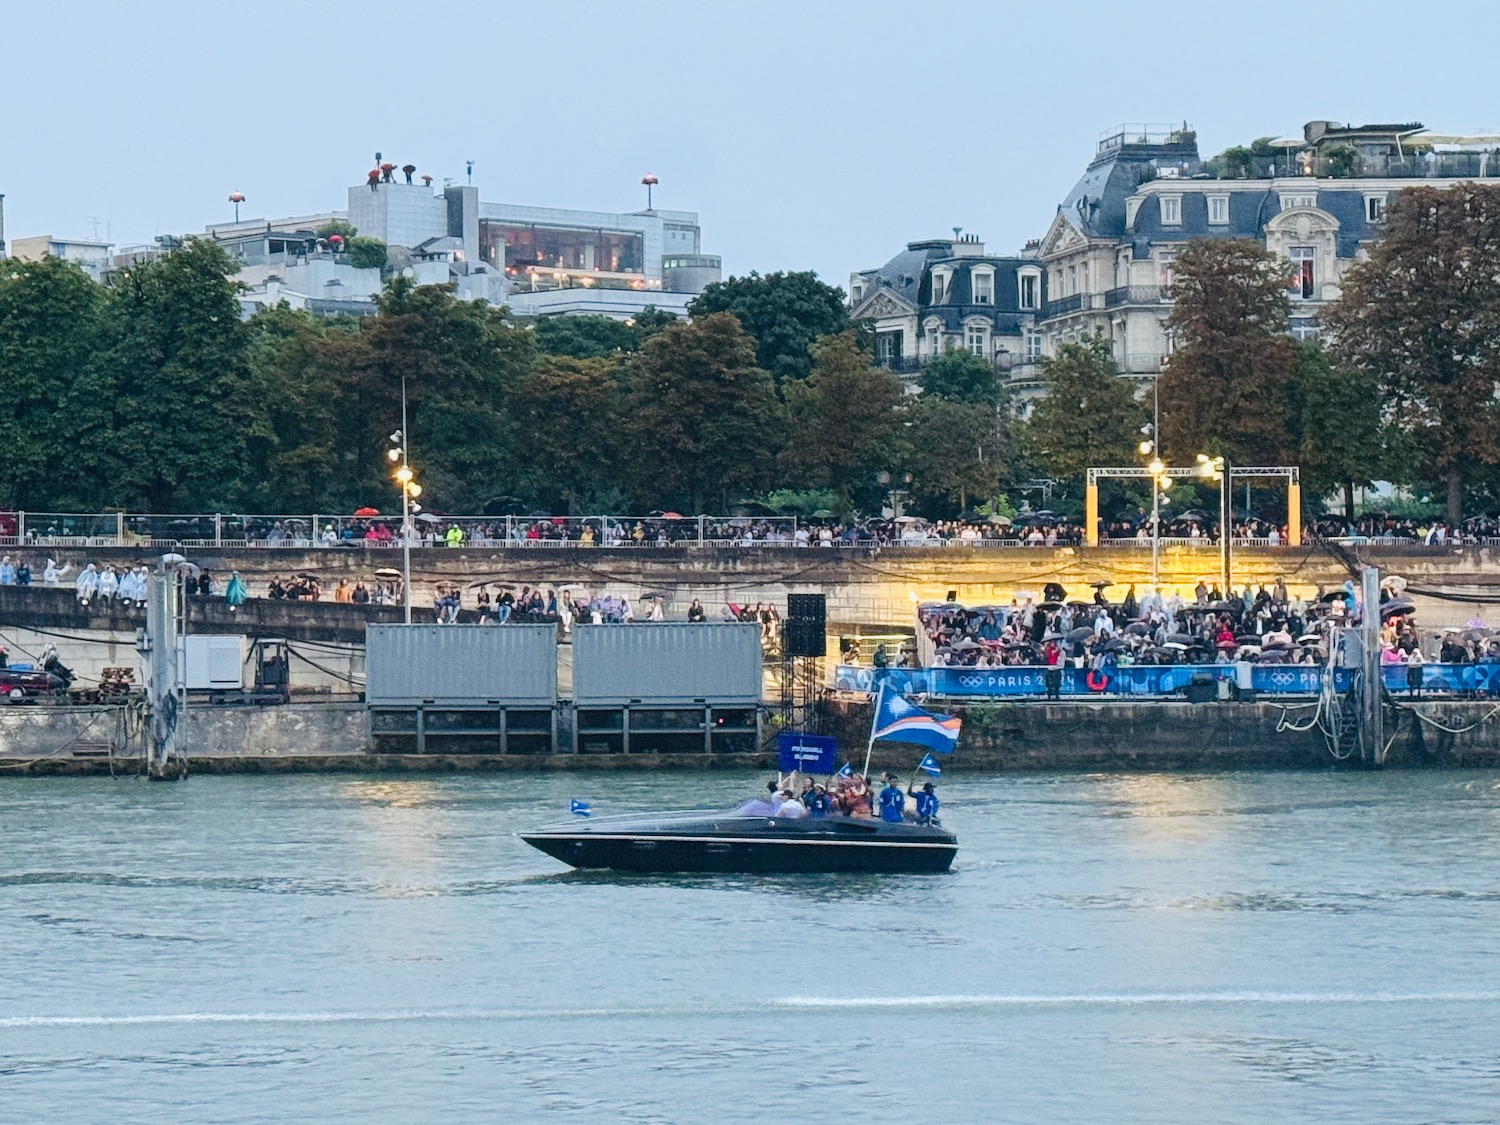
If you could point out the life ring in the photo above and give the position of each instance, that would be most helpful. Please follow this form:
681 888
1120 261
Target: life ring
1096 681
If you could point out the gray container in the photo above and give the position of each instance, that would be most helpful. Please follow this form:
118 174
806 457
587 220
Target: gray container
408 665
666 663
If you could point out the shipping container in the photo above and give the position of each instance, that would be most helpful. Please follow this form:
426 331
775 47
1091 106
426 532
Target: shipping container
474 665
666 663
214 662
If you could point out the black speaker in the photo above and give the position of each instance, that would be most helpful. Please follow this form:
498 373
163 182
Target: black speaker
804 636
807 605
1201 693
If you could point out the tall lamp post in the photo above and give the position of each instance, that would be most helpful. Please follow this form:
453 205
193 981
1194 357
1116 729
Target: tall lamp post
410 490
1160 482
1217 468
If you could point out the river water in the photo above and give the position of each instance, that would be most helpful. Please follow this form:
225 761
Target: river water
1231 947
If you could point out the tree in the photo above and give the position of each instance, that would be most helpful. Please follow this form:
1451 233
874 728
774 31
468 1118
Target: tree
1225 389
961 376
1089 416
585 337
48 336
959 452
1422 318
341 227
651 320
567 414
165 417
1336 425
845 418
784 312
366 253
705 418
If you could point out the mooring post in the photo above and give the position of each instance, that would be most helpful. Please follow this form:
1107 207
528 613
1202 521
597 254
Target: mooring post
1372 744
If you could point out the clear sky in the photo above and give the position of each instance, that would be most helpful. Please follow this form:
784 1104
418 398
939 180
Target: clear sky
808 134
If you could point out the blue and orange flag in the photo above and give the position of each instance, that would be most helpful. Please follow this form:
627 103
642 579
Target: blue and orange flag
896 720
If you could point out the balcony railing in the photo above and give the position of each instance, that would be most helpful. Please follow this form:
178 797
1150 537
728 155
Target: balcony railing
1437 165
1135 295
1062 306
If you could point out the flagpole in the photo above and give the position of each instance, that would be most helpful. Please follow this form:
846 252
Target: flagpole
874 720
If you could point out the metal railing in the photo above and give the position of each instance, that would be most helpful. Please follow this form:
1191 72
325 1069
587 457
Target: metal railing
1062 306
1135 295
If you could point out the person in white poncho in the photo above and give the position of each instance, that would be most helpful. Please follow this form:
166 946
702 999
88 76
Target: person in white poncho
87 585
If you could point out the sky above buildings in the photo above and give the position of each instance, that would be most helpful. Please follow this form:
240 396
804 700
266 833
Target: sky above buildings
815 134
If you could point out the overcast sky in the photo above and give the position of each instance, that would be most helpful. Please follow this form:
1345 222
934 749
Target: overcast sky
814 134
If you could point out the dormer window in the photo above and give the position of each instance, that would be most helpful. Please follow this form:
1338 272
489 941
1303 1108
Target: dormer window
856 293
1375 208
1218 209
984 287
939 286
1171 210
1031 290
1289 201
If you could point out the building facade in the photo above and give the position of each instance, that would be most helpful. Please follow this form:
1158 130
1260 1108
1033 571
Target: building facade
948 293
1317 201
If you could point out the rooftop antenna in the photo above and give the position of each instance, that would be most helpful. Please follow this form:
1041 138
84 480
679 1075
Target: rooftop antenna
95 220
650 180
470 171
956 232
235 197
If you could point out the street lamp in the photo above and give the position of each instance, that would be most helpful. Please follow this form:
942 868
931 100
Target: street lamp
1217 468
410 490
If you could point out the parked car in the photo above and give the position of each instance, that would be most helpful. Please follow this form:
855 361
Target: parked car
18 684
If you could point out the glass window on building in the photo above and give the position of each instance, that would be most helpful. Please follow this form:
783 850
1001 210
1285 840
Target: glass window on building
1303 282
1166 267
1031 291
887 348
1171 209
939 286
1305 328
519 247
1218 208
977 339
984 287
1033 347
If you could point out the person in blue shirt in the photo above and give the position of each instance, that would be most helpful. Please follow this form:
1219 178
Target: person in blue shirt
892 801
927 804
819 803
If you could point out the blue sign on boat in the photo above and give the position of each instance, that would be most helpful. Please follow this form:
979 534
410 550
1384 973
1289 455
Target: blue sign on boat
810 753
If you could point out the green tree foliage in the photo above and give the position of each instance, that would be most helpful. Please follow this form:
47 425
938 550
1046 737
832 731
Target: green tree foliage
166 416
461 361
1421 317
567 414
705 418
341 227
1335 424
651 320
845 420
48 335
958 452
784 312
1225 390
961 376
585 337
366 253
1089 417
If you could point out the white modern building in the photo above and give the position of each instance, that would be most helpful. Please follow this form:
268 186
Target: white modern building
90 255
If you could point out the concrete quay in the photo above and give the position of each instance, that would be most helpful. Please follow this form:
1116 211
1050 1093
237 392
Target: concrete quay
1032 736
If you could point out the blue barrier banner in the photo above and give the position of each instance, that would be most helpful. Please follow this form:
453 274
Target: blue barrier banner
1155 680
810 753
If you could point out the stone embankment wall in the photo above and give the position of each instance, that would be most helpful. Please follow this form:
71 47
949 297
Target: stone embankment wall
1029 736
863 586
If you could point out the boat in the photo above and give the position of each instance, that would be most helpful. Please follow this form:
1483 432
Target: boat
736 841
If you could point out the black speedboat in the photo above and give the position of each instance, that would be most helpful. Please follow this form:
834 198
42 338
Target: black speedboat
741 842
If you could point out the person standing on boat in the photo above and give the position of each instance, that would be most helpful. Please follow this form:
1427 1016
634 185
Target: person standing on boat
927 804
819 803
892 801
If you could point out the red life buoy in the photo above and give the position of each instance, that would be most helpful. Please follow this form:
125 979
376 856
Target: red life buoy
1096 681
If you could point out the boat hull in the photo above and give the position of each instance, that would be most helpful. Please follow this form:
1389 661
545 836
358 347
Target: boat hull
758 846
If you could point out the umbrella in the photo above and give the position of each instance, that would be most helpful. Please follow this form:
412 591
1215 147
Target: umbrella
657 594
211 563
1396 583
1101 584
428 517
1335 595
907 519
1115 645
387 572
1248 639
1049 605
1176 646
671 515
1397 607
1082 633
1139 629
1081 605
964 645
1000 521
311 577
1182 639
367 511
1051 636
824 514
1054 592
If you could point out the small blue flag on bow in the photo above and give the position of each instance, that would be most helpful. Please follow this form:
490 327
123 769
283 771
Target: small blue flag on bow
578 808
845 770
929 764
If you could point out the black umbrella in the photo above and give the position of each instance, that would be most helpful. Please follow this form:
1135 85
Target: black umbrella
1397 607
1082 633
1054 592
1336 595
1100 584
1139 628
1049 605
1183 639
1115 645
